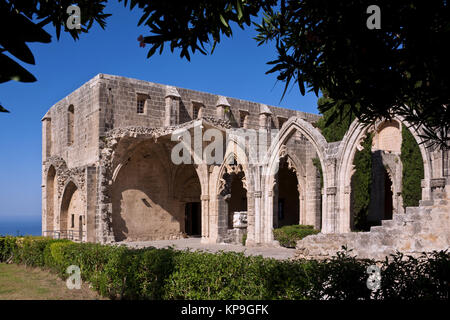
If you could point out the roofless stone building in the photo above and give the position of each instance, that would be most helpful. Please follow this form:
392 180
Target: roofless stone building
127 160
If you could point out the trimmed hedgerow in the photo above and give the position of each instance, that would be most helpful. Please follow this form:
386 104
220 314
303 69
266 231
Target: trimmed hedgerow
288 236
122 273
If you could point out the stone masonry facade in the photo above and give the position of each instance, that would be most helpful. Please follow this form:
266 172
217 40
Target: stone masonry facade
109 174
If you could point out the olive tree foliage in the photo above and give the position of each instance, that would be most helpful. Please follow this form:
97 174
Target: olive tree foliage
22 21
401 68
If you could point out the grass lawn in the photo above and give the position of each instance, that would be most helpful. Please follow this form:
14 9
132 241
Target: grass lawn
21 283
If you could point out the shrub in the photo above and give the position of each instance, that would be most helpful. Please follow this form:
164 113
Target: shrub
361 185
412 172
426 277
8 246
122 273
288 236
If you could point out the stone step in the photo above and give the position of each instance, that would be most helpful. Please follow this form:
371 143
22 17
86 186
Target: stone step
377 229
400 217
424 203
390 223
413 210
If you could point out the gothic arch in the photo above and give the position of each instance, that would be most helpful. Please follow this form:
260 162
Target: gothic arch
347 149
50 187
294 124
71 203
234 166
294 165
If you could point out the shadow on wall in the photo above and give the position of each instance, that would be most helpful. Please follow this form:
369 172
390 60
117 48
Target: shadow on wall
149 196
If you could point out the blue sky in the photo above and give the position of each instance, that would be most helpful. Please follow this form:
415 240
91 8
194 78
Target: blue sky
236 69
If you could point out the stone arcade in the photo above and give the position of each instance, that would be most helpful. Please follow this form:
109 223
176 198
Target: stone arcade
108 174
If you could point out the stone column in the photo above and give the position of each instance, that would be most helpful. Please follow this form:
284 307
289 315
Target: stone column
172 109
331 222
221 217
205 217
264 117
46 137
254 217
91 203
221 104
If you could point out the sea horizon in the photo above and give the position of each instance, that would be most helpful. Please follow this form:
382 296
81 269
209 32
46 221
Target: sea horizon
21 225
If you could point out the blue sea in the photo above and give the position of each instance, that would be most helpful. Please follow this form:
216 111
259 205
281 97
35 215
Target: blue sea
23 225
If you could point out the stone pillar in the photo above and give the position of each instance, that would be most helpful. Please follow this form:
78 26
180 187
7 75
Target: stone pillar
44 202
221 217
265 116
91 203
172 109
205 217
103 223
46 153
46 137
221 105
254 217
331 222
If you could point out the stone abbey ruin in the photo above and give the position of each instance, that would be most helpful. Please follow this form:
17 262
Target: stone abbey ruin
108 173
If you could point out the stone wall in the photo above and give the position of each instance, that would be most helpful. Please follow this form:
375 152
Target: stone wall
118 101
421 229
56 129
119 163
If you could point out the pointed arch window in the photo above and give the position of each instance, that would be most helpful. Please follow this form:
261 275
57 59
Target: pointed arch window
70 125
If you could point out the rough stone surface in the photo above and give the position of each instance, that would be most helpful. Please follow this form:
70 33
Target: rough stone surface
421 229
107 165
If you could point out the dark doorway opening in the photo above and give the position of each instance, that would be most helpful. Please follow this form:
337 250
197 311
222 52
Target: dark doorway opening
288 198
238 200
388 195
193 222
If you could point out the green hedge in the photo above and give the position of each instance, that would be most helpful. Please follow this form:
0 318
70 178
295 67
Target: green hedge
288 236
119 272
412 172
361 185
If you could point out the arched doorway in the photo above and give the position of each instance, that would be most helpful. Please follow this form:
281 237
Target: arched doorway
232 202
288 204
50 200
72 210
298 138
154 199
187 192
381 146
237 202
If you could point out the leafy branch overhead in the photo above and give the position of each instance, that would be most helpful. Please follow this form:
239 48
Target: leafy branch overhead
399 69
321 45
19 26
190 25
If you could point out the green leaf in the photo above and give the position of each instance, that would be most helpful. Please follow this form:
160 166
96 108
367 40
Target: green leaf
223 21
239 9
3 109
11 70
